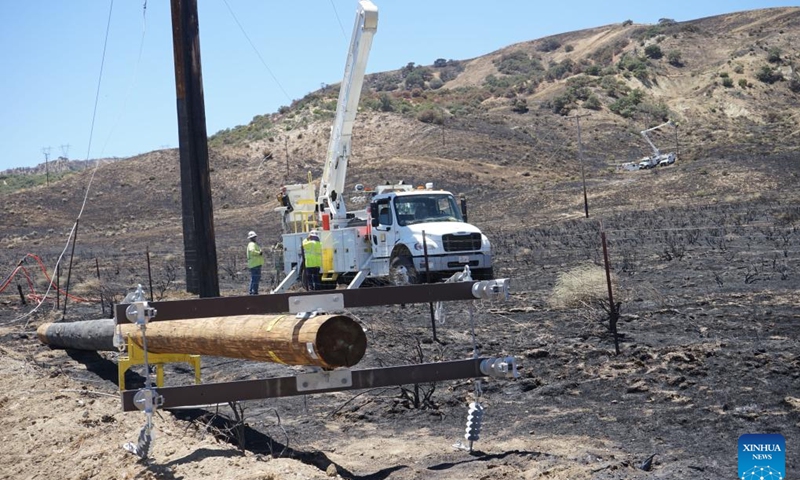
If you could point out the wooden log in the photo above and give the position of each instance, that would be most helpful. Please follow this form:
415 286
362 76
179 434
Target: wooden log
327 341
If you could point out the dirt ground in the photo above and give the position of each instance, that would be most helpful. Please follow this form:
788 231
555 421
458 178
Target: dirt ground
708 352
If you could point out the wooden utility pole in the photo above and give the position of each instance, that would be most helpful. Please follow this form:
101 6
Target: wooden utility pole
328 341
613 309
580 157
200 250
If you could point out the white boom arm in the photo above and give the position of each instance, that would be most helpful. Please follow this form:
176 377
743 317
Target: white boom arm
333 175
644 134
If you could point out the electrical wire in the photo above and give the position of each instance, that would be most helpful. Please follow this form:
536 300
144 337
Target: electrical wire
341 27
91 178
257 52
33 295
133 80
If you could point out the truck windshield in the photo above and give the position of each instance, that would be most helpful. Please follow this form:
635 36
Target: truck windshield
414 209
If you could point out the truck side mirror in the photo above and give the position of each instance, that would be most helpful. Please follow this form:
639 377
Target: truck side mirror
373 214
464 207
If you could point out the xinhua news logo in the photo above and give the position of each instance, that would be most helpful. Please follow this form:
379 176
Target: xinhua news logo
762 456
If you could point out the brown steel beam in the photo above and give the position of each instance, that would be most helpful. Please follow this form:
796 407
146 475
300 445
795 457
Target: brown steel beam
212 393
279 302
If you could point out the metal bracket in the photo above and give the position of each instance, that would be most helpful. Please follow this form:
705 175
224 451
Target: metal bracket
491 289
308 382
330 302
147 400
504 367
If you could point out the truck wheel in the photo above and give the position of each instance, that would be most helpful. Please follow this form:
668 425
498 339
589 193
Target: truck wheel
483 274
402 271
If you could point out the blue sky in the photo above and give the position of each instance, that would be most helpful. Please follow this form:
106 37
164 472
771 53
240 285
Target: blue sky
51 53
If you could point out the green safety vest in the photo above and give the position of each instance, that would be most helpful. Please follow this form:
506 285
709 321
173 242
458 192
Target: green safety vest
254 256
312 252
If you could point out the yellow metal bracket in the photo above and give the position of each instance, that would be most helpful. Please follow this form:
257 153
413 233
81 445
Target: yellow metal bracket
135 356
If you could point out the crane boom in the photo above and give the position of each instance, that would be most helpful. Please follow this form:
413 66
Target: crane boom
335 170
644 134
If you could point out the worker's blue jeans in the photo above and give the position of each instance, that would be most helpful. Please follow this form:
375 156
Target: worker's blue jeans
312 280
255 278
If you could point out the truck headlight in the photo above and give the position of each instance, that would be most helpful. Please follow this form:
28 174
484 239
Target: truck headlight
431 245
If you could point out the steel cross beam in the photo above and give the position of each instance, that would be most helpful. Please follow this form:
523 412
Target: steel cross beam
341 380
290 302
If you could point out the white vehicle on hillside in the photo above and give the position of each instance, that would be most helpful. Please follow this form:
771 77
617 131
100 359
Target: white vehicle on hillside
657 159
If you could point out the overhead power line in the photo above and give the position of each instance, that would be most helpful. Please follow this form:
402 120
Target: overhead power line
341 27
257 52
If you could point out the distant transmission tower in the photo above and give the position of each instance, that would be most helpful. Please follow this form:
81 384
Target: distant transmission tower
46 152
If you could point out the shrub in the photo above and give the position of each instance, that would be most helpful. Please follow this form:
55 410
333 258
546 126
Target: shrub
674 58
562 104
583 286
593 70
627 23
557 71
592 103
769 75
415 80
653 51
743 83
386 103
548 45
774 55
568 48
626 106
431 115
435 84
727 82
518 62
519 105
794 85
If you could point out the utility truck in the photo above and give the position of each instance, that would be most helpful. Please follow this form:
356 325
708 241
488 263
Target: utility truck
657 158
405 235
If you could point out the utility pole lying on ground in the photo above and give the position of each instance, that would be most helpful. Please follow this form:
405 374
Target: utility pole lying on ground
309 335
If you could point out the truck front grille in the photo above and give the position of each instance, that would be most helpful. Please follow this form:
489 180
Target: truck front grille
461 243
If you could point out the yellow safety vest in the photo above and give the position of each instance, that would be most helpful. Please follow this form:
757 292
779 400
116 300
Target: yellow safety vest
312 251
254 256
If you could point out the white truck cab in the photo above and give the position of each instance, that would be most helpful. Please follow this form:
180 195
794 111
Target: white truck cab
423 233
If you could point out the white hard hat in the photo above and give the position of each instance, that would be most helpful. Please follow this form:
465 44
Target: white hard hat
312 234
252 234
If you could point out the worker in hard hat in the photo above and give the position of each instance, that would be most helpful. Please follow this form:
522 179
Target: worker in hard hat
312 260
255 260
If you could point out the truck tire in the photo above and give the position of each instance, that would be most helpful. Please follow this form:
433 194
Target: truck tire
402 271
483 274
